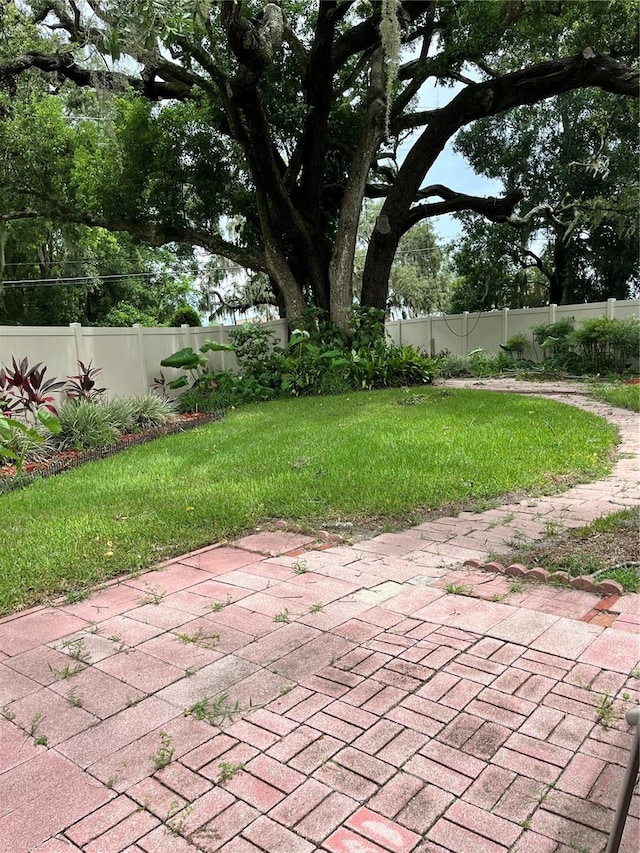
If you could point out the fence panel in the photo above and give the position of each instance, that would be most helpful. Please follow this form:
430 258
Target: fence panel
130 357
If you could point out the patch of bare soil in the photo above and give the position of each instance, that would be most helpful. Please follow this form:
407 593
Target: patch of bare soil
609 547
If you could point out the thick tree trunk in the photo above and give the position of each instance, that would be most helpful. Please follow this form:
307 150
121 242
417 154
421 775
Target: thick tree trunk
341 266
558 284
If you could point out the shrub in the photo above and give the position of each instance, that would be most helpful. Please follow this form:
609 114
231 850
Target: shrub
221 391
554 337
556 340
599 345
608 345
258 353
318 359
151 412
24 444
516 344
185 315
122 414
84 424
476 364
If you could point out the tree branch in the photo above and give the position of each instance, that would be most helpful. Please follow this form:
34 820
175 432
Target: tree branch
367 34
154 235
412 120
65 65
495 209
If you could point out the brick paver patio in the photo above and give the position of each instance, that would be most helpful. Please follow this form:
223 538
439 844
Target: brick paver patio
281 695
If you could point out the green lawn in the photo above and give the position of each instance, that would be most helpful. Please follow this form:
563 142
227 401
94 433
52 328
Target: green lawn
623 396
388 455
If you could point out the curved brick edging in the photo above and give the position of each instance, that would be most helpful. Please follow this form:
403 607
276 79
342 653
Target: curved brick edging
586 583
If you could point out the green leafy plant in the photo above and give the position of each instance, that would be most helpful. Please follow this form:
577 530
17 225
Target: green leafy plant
185 315
85 425
164 754
150 411
195 363
516 344
199 638
283 617
458 589
67 671
215 711
153 595
74 698
607 344
605 713
217 606
76 650
228 769
17 438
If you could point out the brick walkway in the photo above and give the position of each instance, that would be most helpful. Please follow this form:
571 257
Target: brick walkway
274 696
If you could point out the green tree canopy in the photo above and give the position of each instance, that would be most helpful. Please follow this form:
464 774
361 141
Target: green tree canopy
285 115
575 232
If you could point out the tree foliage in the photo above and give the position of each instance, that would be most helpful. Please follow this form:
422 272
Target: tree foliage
575 236
284 115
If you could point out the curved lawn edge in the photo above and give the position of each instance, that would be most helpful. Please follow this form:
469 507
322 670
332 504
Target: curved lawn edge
389 454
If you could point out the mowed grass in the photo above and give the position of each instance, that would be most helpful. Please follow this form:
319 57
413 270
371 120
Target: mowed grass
386 455
622 396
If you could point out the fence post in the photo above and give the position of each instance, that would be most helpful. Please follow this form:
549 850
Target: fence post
505 325
221 340
465 331
186 331
430 338
611 309
552 312
77 338
142 357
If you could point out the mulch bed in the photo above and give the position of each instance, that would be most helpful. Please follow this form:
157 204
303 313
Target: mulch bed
62 461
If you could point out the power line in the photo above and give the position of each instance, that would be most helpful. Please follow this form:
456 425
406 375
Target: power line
37 263
48 282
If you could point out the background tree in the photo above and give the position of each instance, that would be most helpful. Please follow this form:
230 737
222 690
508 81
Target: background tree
286 115
576 231
420 278
86 275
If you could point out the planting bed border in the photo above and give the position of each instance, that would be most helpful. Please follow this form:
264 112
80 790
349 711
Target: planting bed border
587 583
10 481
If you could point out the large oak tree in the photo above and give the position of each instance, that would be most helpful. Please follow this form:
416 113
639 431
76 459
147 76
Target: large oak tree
287 115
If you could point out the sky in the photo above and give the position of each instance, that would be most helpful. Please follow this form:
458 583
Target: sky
450 169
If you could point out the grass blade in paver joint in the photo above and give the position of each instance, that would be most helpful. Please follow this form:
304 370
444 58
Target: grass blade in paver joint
313 460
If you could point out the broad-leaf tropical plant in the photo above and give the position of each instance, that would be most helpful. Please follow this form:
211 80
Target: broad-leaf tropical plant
193 362
28 387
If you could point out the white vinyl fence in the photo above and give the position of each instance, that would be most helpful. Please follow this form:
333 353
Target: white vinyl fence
130 357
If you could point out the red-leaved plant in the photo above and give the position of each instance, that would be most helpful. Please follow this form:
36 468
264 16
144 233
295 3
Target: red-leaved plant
24 390
83 385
